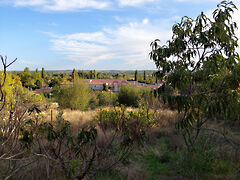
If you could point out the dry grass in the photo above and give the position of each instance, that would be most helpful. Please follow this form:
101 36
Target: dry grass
166 118
76 117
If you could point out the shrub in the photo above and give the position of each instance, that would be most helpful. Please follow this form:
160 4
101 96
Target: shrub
129 96
133 125
107 99
74 97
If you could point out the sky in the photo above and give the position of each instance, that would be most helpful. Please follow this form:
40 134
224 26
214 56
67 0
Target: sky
90 34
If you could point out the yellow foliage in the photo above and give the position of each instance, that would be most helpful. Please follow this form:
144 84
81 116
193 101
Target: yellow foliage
14 90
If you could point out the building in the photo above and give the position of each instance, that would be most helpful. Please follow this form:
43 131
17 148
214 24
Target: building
44 89
98 84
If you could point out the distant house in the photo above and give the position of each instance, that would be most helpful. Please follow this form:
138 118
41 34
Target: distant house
44 89
153 86
98 84
66 84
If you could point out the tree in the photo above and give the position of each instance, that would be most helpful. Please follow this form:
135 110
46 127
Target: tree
37 78
144 75
43 73
27 78
56 81
202 66
136 75
81 74
74 97
129 96
99 75
74 73
37 74
94 74
91 76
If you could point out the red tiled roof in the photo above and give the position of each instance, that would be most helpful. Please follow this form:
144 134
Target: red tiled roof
107 81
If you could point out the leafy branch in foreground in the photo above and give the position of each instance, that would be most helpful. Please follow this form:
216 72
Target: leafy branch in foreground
201 64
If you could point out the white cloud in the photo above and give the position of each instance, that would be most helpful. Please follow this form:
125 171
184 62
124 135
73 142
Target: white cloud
73 5
130 43
27 62
62 5
145 21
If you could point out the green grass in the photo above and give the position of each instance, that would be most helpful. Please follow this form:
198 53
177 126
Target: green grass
157 160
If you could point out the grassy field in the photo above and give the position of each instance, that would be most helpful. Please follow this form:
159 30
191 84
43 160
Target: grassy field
163 154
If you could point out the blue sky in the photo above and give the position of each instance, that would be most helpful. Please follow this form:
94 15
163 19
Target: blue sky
89 34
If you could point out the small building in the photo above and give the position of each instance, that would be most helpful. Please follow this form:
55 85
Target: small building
66 84
45 89
98 84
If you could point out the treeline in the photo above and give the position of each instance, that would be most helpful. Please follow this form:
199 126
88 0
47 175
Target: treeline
136 76
36 79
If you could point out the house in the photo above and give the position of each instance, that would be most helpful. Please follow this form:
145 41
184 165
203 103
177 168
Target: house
153 86
66 84
44 89
98 84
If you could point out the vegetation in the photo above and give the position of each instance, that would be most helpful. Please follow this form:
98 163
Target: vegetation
205 71
75 96
129 96
187 129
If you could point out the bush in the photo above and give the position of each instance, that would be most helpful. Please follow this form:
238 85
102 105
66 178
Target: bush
107 99
74 97
129 96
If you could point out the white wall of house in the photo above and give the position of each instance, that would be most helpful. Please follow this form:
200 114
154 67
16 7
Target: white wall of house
116 89
98 87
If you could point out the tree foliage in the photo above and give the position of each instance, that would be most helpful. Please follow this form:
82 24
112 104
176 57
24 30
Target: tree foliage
74 97
136 75
201 63
43 73
144 75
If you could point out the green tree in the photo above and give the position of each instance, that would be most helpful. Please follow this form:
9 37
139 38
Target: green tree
91 76
37 75
37 78
129 96
81 74
136 75
107 99
205 70
74 97
38 84
94 74
27 78
56 81
144 75
43 73
99 75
